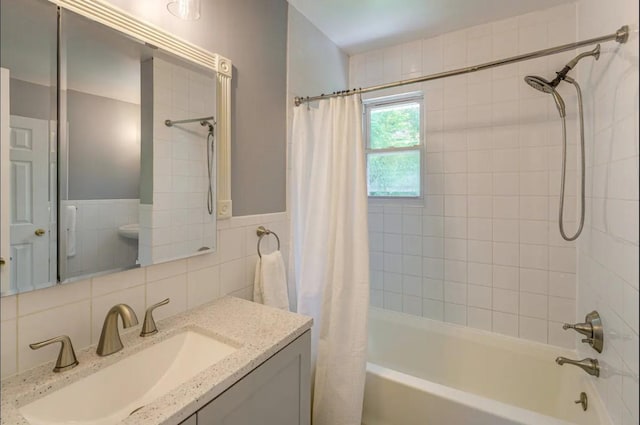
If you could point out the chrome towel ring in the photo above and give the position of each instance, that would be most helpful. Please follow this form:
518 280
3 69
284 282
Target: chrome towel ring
262 232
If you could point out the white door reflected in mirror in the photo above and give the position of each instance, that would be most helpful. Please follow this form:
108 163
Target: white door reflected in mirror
29 204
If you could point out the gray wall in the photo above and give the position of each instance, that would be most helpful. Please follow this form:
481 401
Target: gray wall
32 100
104 139
146 132
104 147
316 64
258 123
253 34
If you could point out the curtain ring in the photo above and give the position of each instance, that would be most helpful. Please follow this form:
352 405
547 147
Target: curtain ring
262 232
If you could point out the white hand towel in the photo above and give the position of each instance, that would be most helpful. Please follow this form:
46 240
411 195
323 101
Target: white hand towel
270 282
70 222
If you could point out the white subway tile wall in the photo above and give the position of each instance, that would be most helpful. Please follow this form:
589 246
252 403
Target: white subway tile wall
78 309
483 240
99 247
608 248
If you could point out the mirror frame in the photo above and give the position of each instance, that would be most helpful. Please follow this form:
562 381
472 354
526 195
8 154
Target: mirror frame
116 18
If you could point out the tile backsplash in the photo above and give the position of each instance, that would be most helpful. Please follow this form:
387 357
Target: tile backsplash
482 247
78 309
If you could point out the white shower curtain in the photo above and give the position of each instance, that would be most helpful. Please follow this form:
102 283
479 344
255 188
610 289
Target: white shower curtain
331 252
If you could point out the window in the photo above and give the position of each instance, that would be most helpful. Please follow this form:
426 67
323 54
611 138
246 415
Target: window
393 135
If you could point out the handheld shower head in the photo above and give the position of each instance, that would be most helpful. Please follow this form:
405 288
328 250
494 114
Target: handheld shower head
545 86
539 83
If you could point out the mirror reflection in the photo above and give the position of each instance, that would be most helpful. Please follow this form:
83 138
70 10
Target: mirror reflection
28 161
100 166
120 186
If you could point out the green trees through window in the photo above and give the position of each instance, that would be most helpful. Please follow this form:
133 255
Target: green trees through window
393 154
395 126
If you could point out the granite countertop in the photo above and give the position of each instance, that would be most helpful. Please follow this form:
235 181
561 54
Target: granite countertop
258 331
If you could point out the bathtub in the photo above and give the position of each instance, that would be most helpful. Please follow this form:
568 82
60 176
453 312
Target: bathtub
425 372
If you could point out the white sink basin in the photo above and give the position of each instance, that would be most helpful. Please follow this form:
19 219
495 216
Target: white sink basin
113 393
130 231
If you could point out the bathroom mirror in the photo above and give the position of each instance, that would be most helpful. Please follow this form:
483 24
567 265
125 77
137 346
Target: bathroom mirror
120 187
28 157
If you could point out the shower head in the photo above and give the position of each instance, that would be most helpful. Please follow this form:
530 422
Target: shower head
539 83
545 86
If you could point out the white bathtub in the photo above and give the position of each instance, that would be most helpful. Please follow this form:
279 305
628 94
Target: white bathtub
425 372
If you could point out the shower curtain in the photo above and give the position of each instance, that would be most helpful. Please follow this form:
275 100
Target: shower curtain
330 252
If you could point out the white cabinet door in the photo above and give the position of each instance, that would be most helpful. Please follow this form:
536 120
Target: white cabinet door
277 392
191 421
29 203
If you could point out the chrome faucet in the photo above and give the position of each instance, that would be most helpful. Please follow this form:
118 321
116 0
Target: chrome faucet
110 341
589 365
66 357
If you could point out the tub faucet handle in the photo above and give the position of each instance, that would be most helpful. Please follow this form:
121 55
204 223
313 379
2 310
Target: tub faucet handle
591 328
583 328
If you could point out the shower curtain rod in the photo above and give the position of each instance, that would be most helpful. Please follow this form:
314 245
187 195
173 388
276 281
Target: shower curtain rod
621 36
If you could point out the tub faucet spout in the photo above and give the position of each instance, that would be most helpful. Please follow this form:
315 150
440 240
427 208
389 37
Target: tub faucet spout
588 365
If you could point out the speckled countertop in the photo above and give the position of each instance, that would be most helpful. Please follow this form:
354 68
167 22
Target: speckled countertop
259 332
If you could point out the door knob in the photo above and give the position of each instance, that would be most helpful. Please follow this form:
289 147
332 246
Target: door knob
2 262
40 232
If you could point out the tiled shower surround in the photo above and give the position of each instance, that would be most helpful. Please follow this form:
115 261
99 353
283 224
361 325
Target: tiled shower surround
482 247
608 248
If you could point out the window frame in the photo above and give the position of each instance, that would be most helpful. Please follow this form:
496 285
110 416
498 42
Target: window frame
398 99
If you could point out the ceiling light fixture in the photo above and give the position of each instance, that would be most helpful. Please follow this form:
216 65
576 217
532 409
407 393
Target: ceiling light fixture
189 10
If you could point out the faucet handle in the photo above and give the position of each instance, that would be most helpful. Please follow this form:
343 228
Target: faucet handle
583 328
66 357
149 325
592 329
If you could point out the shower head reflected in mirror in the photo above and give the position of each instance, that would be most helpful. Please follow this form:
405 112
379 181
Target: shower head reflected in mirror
209 122
206 123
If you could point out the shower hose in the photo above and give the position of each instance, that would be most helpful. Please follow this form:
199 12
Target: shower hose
210 155
564 167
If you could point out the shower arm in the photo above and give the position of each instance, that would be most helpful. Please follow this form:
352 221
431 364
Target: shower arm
562 74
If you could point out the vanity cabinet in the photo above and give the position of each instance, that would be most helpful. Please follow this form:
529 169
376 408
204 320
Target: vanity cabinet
276 392
193 420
